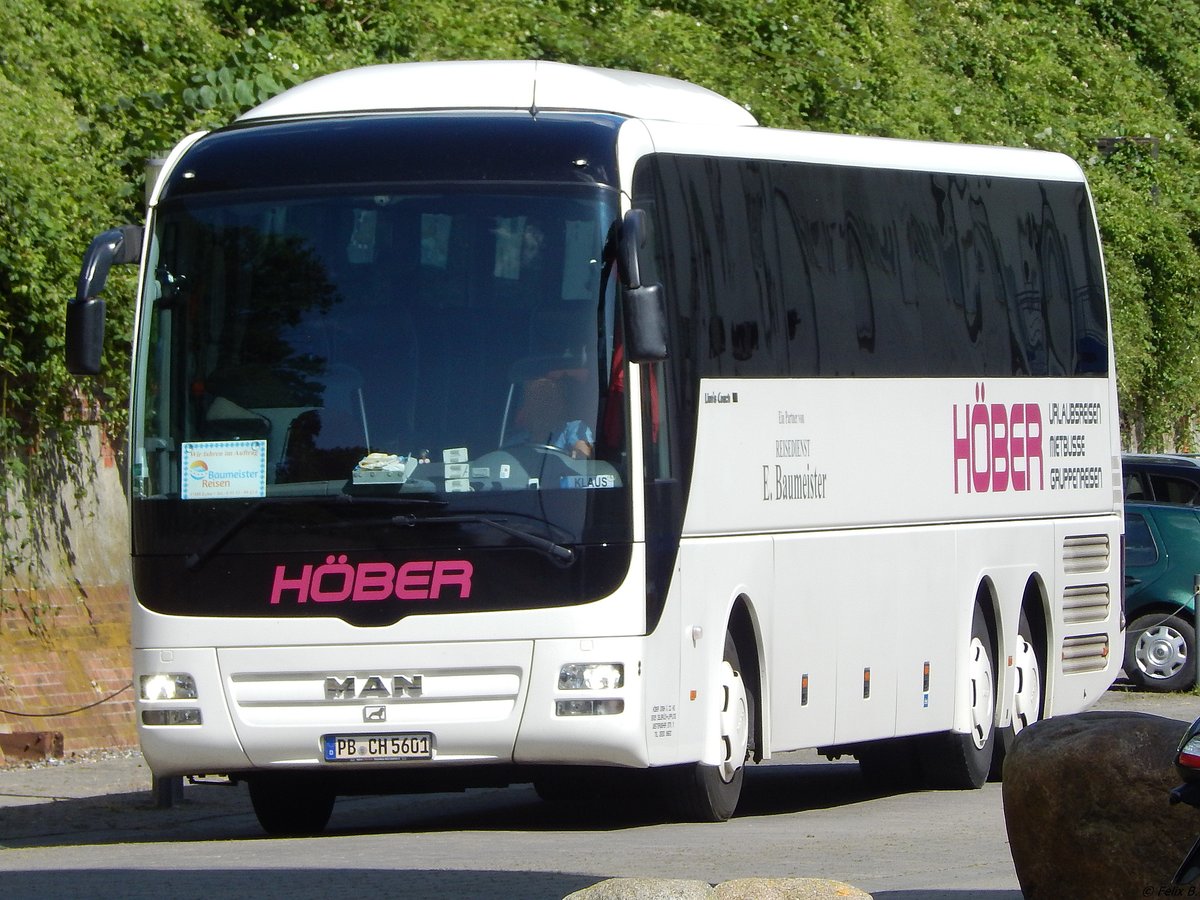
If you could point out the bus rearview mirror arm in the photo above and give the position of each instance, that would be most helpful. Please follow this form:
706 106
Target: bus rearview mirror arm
629 246
85 314
645 314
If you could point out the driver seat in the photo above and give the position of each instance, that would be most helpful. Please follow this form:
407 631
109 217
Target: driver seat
544 394
542 413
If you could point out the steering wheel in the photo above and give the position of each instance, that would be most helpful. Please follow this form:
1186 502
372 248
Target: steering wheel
551 448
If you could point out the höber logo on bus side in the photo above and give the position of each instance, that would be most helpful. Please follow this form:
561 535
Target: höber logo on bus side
997 448
338 580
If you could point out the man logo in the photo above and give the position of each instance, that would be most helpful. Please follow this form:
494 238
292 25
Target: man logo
373 687
374 713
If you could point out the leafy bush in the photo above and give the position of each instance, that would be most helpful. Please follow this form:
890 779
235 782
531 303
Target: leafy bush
91 91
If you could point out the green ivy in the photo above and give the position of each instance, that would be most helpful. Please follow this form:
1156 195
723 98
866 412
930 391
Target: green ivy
92 90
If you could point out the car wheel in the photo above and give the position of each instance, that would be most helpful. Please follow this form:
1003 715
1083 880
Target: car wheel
1160 653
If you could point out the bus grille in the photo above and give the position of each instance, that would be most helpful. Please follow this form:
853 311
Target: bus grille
1086 553
1085 653
435 696
1085 603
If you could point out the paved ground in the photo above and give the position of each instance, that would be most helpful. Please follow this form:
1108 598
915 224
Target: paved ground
113 790
105 773
102 775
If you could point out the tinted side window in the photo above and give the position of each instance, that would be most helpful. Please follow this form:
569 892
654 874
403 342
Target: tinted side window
1136 487
777 268
1168 489
1140 549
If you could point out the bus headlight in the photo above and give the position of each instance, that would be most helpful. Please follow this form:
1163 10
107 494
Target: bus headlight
178 686
591 676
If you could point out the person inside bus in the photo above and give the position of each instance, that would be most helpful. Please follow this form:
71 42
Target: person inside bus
543 417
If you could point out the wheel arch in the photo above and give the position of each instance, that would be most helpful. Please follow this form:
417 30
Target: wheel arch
1035 606
743 625
987 601
1161 608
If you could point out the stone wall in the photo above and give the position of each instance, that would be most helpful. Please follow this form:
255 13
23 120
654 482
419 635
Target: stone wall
64 615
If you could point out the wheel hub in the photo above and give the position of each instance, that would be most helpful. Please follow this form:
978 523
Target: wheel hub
1161 652
1027 698
983 694
735 723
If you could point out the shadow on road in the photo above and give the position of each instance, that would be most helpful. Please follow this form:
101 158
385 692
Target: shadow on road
125 825
213 812
185 882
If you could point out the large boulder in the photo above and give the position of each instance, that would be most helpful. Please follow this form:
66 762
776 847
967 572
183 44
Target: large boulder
1086 806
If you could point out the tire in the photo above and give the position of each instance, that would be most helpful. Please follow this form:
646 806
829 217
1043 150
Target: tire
953 761
291 805
557 789
571 786
891 766
599 791
1028 698
700 793
1160 653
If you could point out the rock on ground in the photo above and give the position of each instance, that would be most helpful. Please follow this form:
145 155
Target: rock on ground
739 889
1086 806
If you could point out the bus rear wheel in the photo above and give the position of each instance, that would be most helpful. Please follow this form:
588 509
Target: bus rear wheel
701 793
291 805
1027 701
963 761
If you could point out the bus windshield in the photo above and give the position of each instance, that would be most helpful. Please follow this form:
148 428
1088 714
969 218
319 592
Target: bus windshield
451 345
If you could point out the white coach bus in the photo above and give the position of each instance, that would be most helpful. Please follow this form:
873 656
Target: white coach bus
502 422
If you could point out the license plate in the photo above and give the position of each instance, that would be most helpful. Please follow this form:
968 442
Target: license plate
360 747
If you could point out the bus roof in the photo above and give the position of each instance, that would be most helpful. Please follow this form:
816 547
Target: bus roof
503 84
865 152
682 117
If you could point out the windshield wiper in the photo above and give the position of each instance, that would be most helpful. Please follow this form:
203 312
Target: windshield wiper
205 553
557 552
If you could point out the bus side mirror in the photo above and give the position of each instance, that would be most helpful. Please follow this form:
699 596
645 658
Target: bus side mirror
645 324
85 314
645 314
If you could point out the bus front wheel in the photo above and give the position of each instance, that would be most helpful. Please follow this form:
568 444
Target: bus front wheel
291 805
702 793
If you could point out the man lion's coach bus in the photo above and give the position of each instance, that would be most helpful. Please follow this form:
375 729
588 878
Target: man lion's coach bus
503 422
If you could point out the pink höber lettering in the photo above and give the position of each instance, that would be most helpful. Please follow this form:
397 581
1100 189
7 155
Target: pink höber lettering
338 580
996 447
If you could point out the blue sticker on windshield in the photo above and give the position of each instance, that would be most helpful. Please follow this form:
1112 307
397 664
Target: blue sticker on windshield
217 469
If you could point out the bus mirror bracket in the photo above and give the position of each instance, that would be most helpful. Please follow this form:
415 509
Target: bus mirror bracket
85 314
633 237
645 315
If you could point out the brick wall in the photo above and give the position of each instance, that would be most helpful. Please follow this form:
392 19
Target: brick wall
82 658
64 618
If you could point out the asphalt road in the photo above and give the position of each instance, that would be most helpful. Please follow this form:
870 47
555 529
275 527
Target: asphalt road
89 828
